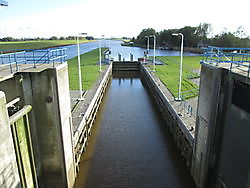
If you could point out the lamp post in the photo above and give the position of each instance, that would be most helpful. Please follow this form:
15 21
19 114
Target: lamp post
147 45
100 55
180 79
79 65
154 50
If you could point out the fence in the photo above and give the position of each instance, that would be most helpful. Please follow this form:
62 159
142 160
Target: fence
31 57
188 107
237 58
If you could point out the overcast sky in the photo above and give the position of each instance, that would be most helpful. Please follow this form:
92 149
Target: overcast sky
45 18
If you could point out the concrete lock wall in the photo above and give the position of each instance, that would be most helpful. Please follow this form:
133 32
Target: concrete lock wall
47 90
221 156
210 82
9 176
180 133
52 114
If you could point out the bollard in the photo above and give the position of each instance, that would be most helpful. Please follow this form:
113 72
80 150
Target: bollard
119 57
131 57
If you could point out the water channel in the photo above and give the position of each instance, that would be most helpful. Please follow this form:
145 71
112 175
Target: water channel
130 146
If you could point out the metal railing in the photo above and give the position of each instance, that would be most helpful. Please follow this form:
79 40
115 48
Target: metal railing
187 108
238 58
31 57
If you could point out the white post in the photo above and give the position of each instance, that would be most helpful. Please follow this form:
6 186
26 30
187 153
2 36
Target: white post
147 45
100 56
180 78
79 69
154 50
148 48
179 96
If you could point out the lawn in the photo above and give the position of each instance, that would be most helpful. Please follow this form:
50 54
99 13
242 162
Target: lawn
169 73
89 70
37 44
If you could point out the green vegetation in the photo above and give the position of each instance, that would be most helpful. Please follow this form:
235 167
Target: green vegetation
89 69
169 73
199 36
37 44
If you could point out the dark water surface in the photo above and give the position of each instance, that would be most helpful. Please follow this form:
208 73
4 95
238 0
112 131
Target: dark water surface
129 146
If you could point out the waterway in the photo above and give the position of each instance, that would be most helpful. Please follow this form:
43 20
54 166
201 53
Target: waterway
130 145
116 48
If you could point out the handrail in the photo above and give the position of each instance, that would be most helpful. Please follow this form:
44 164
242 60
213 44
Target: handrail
32 57
238 58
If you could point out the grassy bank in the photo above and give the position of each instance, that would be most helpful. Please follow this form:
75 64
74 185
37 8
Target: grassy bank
169 73
37 44
89 70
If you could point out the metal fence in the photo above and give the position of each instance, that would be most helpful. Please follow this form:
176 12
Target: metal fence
237 58
188 107
31 57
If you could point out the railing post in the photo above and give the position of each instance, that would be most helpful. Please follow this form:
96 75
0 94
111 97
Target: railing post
25 59
10 63
34 58
15 61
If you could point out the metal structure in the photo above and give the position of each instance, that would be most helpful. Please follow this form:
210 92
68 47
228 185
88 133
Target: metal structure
34 58
3 3
79 65
234 59
180 79
154 49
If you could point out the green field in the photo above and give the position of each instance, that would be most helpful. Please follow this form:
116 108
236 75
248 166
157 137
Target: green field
169 73
89 70
37 44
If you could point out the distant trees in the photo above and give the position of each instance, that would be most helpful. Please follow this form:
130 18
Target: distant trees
199 36
5 39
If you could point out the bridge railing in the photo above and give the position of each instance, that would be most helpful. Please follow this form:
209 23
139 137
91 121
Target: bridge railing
30 57
237 58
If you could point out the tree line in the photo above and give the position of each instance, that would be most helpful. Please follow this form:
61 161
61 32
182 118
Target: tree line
194 37
6 39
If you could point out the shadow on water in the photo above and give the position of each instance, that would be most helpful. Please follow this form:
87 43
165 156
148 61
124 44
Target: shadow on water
130 145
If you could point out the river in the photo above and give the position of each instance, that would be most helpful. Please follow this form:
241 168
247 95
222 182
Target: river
116 48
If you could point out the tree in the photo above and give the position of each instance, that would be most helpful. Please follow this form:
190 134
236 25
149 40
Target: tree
203 30
53 38
141 38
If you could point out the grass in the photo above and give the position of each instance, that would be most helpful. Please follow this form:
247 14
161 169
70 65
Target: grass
89 70
37 44
169 73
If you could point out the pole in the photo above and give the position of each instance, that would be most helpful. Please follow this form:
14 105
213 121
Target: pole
154 51
100 56
79 68
179 92
148 47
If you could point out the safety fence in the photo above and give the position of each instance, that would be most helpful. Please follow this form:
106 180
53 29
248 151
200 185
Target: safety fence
30 57
238 59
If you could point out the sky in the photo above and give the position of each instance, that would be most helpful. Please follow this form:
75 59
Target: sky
118 18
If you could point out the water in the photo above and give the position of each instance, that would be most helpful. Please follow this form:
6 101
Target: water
132 147
116 48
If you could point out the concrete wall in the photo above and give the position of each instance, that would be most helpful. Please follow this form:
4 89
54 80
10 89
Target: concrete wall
221 154
9 176
52 114
210 85
179 131
47 91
